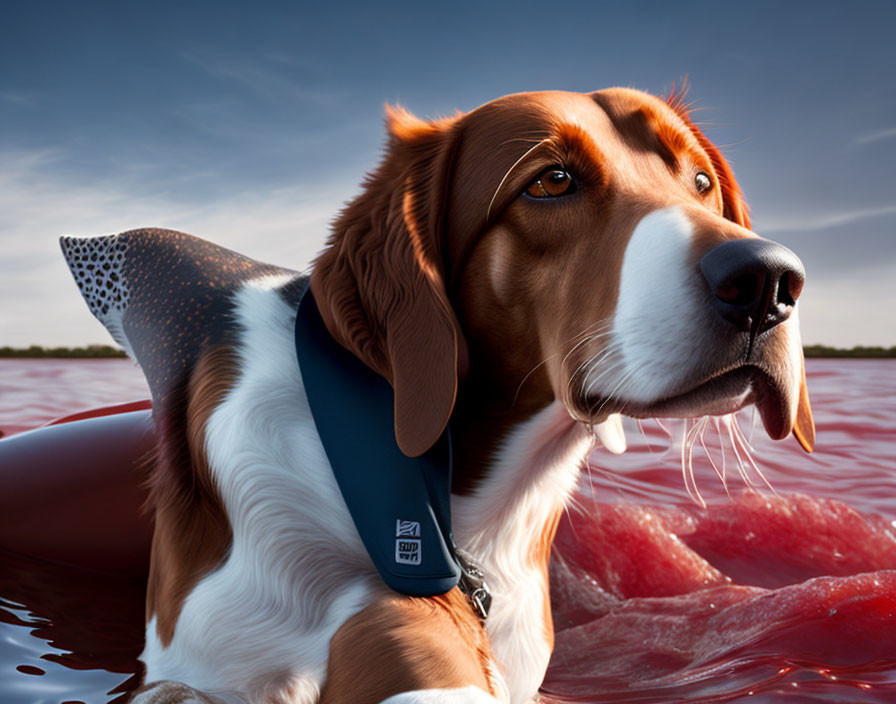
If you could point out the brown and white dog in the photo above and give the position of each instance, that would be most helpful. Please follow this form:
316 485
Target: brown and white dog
532 270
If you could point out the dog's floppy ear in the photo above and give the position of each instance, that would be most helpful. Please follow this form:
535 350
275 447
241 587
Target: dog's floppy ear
804 425
379 284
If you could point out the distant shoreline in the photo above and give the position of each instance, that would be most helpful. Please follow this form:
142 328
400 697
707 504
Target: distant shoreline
38 352
852 352
108 352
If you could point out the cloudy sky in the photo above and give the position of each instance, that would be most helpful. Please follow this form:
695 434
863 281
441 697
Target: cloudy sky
251 124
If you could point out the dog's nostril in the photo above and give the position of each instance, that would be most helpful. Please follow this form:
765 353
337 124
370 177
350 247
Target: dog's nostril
789 288
739 290
755 282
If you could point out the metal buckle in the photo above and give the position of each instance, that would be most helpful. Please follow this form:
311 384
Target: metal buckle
472 583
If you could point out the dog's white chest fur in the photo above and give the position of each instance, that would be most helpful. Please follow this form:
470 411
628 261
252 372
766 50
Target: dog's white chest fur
261 624
502 524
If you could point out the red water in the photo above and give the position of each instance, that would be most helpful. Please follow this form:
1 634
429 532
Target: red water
760 597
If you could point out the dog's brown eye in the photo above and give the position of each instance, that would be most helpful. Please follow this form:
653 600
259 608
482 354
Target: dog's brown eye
552 183
703 182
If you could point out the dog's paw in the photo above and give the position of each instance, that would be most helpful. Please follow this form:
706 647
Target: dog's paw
170 693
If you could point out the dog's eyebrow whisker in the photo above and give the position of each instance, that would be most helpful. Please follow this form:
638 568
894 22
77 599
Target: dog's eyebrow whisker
526 140
531 149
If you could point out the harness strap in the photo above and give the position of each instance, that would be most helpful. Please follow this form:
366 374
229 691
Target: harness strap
400 505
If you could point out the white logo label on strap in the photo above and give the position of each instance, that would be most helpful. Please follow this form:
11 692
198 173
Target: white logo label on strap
407 542
407 529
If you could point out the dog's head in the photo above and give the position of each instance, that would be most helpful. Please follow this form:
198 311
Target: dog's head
596 245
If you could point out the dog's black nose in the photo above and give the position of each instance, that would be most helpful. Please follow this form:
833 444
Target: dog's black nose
755 282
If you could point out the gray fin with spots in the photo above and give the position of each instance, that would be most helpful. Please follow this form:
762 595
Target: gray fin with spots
166 297
97 264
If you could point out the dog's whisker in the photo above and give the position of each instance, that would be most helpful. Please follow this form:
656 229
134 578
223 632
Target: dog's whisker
741 468
625 378
644 435
586 339
519 388
718 425
590 383
709 457
663 427
587 381
588 467
574 503
592 337
748 452
593 363
687 460
610 475
684 474
589 329
740 434
581 342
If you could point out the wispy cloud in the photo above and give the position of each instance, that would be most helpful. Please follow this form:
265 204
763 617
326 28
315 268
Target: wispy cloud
888 133
823 221
266 77
39 202
18 99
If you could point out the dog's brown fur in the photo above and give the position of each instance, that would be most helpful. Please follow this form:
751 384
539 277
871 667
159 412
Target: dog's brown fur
192 532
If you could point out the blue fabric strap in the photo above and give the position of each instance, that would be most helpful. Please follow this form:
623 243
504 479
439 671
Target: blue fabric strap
400 505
